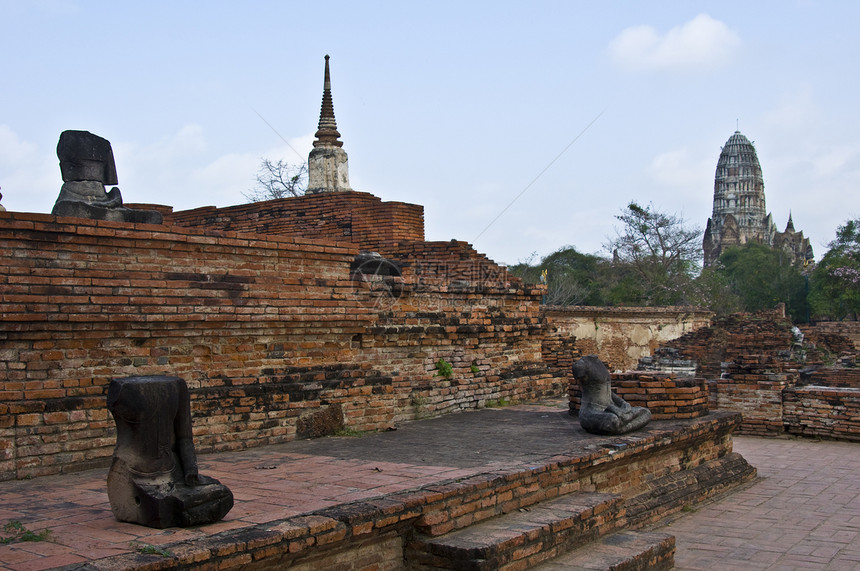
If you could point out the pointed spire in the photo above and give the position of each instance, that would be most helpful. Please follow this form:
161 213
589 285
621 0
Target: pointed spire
327 134
790 226
328 165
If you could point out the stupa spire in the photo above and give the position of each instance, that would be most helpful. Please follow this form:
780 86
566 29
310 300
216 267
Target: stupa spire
327 134
328 168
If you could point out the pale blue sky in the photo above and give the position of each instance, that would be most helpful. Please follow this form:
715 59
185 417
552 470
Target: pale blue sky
457 106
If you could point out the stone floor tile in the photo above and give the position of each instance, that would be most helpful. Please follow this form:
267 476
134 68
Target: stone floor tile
50 562
804 513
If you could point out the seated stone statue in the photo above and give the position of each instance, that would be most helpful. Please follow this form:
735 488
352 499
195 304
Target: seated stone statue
87 165
601 411
153 479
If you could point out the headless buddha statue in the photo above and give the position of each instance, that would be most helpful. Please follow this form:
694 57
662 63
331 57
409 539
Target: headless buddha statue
153 479
601 411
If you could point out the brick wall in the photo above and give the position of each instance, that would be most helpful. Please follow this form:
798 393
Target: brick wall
356 217
665 395
829 340
754 387
621 335
754 366
848 378
846 329
823 412
734 336
267 330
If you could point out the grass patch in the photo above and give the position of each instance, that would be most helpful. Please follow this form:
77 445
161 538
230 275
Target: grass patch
16 531
444 368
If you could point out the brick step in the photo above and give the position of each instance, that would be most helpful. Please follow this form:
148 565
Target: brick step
619 551
522 538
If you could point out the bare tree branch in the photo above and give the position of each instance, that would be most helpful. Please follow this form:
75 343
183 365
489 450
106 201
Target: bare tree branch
278 180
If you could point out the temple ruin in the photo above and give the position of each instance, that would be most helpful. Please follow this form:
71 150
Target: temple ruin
307 316
740 214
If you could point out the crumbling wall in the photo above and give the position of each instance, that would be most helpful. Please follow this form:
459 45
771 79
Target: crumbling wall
844 377
755 365
822 412
268 331
754 386
829 329
621 335
734 336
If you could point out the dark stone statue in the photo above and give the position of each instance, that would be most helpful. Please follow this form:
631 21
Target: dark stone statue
87 165
153 479
601 410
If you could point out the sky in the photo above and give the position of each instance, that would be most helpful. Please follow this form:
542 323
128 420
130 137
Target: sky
521 127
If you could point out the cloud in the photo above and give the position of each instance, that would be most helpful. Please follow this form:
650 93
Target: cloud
701 43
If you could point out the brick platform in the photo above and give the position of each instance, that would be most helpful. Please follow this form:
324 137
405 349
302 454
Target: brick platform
314 503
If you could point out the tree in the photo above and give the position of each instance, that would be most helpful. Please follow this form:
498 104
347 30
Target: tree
835 282
278 180
712 289
659 251
572 278
763 277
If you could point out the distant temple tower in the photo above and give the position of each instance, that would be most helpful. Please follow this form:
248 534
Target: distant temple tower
328 170
740 214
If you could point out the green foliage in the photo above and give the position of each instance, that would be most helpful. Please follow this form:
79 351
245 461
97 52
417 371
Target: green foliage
444 368
654 262
497 403
835 282
712 289
572 278
474 368
18 532
762 277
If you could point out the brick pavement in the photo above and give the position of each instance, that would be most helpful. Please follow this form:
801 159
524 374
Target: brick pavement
804 513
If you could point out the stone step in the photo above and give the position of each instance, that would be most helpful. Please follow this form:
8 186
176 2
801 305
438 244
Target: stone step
619 551
522 538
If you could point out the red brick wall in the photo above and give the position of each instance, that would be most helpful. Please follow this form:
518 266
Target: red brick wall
835 377
356 217
823 412
265 329
754 387
734 336
665 395
845 329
